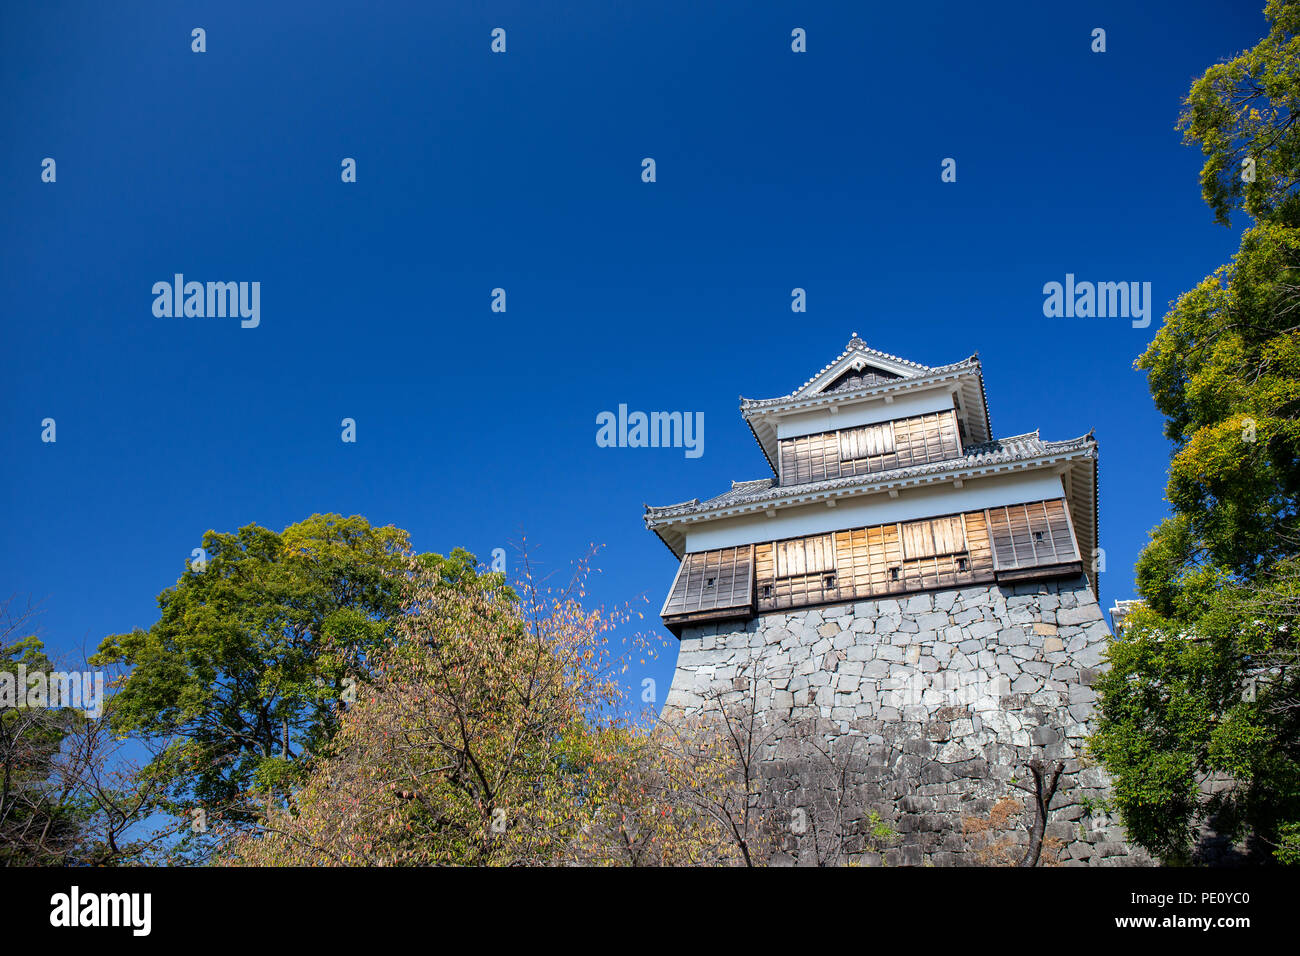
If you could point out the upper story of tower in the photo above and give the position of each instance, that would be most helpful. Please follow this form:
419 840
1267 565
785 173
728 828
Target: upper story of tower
868 412
885 479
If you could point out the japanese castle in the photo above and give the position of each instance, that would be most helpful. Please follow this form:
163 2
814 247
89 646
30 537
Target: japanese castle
909 591
886 480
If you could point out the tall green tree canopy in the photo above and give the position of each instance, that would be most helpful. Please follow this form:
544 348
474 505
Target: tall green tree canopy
1225 372
257 649
1203 685
1242 114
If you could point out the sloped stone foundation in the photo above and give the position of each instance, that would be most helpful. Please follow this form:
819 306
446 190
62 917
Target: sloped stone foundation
927 707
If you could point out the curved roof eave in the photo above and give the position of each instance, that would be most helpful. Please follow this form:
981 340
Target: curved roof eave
775 497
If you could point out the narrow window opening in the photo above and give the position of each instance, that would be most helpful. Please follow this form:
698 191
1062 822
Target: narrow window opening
828 581
893 574
708 582
767 590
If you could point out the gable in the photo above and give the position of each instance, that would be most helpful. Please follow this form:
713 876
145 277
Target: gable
859 366
863 377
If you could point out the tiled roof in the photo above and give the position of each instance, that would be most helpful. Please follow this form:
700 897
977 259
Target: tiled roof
857 345
922 372
1006 450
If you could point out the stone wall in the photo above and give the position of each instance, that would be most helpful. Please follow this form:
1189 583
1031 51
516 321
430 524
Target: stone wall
935 702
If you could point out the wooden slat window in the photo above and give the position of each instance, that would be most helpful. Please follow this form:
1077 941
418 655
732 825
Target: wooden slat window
814 555
953 551
869 449
927 438
1031 535
926 539
713 580
866 442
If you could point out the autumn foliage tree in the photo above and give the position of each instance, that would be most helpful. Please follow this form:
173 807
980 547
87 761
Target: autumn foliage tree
487 735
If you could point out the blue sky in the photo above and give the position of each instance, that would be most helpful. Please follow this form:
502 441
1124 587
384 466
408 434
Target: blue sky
522 171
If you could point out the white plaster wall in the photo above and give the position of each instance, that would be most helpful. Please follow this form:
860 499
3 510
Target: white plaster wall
868 412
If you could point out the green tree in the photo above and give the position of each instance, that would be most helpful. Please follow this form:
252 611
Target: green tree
68 794
1225 372
1242 114
40 820
257 651
1203 683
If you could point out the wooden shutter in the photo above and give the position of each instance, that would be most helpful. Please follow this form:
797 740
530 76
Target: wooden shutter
927 438
713 580
880 439
918 542
925 539
1031 535
866 442
949 535
849 444
805 556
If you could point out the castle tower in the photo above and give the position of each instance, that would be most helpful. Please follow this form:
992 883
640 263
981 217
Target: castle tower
906 580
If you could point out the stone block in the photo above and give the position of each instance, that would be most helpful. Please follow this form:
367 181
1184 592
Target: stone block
1045 736
933 621
1082 695
938 730
1025 684
1013 637
919 604
1079 615
876 669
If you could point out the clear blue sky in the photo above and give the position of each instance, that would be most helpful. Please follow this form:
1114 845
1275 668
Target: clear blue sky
522 171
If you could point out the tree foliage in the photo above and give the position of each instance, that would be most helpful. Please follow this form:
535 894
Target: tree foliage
40 822
68 795
1225 372
486 736
493 733
1198 713
245 672
1244 111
